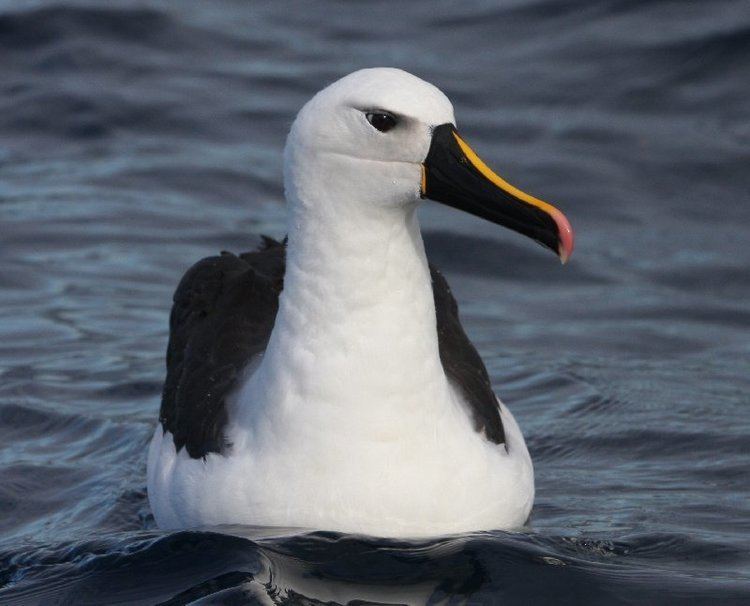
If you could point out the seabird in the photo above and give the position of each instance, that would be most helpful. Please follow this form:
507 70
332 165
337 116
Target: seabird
326 382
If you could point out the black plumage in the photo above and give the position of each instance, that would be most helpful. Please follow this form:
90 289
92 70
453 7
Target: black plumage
223 313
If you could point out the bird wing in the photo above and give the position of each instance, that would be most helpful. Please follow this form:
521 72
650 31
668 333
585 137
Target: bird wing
462 363
222 317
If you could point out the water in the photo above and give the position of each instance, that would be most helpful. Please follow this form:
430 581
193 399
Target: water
139 136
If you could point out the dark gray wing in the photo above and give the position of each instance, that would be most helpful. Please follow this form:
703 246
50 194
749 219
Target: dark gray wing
222 316
223 313
462 363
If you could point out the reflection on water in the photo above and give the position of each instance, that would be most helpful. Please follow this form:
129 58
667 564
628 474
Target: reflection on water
138 137
325 568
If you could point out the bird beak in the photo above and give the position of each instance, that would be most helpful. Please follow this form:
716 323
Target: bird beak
454 175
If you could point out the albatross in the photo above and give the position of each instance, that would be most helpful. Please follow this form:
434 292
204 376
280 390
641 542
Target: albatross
325 382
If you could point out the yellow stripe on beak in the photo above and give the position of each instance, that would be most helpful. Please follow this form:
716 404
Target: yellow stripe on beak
499 181
565 230
453 174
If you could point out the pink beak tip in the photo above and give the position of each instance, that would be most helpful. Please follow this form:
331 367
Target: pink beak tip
567 237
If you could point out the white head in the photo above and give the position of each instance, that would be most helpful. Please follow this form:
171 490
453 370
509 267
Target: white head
333 136
382 139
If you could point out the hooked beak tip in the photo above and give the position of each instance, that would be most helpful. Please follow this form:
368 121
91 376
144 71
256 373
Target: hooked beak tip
565 234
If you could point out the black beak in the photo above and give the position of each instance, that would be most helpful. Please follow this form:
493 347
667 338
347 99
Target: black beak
454 175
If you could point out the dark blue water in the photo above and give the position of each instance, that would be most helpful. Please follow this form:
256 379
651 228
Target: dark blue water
139 136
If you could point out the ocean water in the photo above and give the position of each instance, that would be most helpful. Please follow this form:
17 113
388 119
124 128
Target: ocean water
139 136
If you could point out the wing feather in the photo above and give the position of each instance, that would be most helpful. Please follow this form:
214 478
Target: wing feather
222 316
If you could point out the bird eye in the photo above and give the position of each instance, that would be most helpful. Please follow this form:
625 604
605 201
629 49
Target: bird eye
383 121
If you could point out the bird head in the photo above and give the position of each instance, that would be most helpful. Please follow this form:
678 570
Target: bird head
385 140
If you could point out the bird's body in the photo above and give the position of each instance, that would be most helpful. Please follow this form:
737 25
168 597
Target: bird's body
329 385
367 427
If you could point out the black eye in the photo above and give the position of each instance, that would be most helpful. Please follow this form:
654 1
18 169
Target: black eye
382 121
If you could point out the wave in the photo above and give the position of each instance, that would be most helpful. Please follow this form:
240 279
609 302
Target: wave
330 568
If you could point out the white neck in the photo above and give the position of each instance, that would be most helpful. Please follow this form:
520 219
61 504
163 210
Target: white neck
355 335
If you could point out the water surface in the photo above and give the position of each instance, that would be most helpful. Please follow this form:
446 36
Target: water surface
139 136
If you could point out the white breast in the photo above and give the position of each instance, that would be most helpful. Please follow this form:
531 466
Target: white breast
443 480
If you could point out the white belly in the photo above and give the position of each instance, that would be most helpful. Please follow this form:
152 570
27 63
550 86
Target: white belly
448 479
